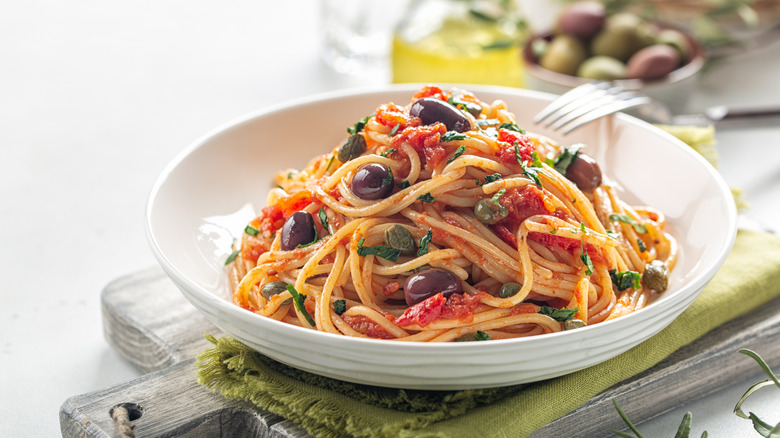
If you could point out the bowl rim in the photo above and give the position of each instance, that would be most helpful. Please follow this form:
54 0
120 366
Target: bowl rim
696 283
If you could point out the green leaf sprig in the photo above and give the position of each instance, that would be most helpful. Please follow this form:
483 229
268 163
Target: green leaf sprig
298 299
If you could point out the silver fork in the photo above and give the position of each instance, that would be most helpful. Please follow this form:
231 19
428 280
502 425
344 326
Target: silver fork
587 103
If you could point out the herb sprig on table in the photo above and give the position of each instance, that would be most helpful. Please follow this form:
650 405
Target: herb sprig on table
763 428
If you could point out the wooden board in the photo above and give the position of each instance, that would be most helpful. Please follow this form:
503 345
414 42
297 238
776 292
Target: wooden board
148 321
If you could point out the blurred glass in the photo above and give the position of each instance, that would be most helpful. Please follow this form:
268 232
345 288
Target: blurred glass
459 41
357 34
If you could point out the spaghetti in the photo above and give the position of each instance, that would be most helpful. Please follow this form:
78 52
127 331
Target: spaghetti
442 220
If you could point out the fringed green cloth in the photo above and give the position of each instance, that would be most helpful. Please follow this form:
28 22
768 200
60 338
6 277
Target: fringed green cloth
326 407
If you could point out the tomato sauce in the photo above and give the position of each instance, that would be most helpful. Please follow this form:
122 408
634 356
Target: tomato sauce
457 306
366 326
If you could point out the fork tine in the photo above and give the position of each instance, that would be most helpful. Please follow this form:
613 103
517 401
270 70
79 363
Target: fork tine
568 97
586 103
592 105
605 110
579 106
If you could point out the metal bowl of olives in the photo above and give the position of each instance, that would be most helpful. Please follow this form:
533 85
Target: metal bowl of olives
661 61
214 187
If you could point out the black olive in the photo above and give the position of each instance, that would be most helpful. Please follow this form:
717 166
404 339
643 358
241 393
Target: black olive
585 172
298 230
431 110
373 181
426 284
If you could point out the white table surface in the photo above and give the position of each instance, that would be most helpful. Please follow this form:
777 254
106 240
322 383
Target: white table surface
95 99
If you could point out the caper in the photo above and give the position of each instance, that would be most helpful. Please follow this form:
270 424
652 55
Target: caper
352 147
574 323
509 290
468 337
656 276
398 237
489 212
275 288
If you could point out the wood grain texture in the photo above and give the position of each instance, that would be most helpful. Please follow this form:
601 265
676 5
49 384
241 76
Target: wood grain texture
148 321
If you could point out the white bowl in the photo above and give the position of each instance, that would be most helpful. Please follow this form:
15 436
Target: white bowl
214 187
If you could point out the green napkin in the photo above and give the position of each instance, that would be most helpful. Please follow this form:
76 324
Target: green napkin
749 278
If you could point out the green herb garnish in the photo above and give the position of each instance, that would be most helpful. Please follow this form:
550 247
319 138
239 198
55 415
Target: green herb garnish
641 244
395 129
586 259
558 314
383 251
490 178
481 336
458 152
329 163
511 127
252 231
626 279
403 184
424 241
564 160
487 122
298 300
357 127
232 257
426 198
340 306
626 219
497 196
452 136
388 152
323 218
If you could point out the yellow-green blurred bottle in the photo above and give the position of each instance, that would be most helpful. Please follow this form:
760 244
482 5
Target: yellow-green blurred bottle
458 41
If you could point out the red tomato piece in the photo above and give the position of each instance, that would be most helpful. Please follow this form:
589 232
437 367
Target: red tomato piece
368 327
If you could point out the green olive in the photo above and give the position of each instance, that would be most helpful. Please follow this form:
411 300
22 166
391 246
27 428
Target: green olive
275 288
622 36
675 39
489 212
656 276
352 147
399 238
564 55
509 290
602 68
574 323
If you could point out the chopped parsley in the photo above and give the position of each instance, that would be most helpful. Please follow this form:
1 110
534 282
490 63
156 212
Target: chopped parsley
388 152
490 178
481 336
403 184
458 152
626 279
586 259
626 219
426 198
558 314
231 257
554 231
511 127
564 160
323 218
340 306
383 251
452 136
329 163
498 195
424 241
357 127
529 171
395 129
641 245
298 300
291 173
535 161
252 231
